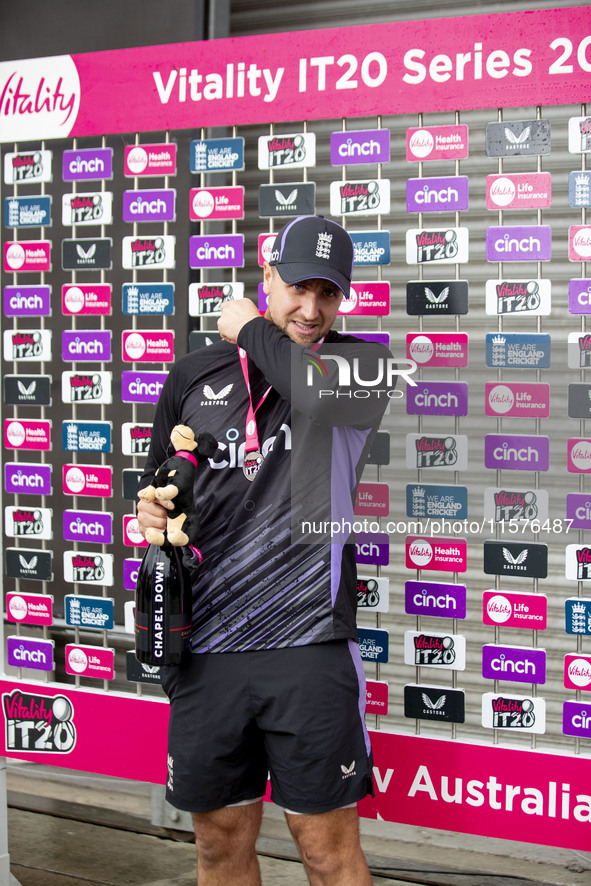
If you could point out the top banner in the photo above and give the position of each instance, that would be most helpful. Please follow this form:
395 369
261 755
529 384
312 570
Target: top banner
513 59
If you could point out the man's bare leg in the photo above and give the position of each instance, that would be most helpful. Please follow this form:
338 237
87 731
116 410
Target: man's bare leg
330 848
225 841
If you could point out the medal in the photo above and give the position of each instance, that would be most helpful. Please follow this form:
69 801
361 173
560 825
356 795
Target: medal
252 462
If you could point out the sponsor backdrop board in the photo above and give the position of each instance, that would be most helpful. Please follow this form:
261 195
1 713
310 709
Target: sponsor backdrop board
470 254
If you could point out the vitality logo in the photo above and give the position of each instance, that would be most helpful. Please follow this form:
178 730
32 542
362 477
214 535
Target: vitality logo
39 723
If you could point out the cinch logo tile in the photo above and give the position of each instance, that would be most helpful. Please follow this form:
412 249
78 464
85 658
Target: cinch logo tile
88 480
438 349
435 598
523 243
22 478
90 661
360 146
437 398
437 143
23 652
154 346
516 452
130 572
81 346
216 203
445 554
515 610
576 719
367 299
518 297
514 399
88 526
88 164
216 251
368 197
149 160
30 255
30 609
27 301
372 548
578 509
527 190
141 387
27 434
144 205
579 296
27 167
515 663
86 299
447 194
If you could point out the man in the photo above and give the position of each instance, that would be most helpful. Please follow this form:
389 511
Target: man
275 684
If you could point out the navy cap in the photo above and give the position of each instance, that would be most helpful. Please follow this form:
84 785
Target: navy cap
314 247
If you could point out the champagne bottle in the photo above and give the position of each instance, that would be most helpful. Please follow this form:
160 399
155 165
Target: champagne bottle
163 605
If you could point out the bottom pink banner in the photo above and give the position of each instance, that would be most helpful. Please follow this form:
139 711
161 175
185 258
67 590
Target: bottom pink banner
492 791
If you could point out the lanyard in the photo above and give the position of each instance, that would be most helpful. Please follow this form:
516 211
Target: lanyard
253 457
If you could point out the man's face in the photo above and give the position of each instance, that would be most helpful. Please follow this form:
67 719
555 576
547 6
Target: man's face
305 311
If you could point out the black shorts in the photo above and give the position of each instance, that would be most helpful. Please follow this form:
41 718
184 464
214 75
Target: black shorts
296 714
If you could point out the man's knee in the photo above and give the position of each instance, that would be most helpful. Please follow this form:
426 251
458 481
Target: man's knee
327 841
228 832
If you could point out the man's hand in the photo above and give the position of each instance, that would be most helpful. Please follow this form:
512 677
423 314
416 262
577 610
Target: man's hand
234 314
151 514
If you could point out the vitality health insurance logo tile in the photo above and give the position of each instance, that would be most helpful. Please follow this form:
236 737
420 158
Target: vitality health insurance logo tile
86 299
149 205
443 194
216 155
577 671
27 434
445 350
516 452
87 164
27 212
30 255
443 554
147 346
150 160
437 143
27 301
27 167
20 477
514 609
32 609
360 146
